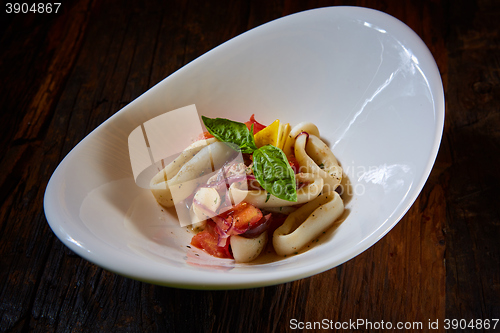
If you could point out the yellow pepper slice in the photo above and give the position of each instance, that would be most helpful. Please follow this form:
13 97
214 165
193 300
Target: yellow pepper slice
275 134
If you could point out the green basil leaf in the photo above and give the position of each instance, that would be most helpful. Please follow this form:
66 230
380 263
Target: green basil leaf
274 173
227 130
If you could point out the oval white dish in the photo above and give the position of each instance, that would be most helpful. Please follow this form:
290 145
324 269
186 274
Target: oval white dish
367 81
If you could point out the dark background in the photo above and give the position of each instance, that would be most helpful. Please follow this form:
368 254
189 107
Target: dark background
63 74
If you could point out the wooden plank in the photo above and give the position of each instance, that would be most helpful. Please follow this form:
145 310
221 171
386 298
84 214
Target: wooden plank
26 238
66 37
473 229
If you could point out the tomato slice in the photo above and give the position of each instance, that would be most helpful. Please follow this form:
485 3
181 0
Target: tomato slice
235 221
247 216
256 125
243 217
208 240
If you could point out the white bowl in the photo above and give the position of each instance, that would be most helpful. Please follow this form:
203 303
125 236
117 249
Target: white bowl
366 80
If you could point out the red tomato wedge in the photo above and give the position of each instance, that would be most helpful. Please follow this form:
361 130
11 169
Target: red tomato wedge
208 240
213 239
243 217
256 125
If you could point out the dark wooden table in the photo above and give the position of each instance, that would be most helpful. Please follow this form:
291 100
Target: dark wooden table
63 74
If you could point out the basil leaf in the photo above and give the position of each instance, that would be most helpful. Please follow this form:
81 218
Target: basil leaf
274 173
227 130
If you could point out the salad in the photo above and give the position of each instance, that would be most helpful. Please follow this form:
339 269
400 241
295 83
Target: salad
242 186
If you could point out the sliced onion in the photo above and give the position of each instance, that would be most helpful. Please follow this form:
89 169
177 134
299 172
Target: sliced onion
263 225
226 228
226 182
222 239
302 133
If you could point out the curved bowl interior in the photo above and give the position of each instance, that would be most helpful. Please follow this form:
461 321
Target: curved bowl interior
367 81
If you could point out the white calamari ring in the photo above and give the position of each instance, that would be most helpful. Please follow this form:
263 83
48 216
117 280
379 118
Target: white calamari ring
296 130
307 223
262 199
187 154
317 158
191 174
247 249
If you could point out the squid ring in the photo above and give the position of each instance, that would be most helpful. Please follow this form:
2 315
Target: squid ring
192 173
307 223
296 130
247 249
317 158
262 199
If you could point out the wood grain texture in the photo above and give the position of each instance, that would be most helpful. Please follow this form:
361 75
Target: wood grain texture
63 75
473 223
